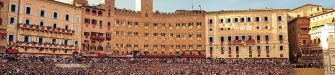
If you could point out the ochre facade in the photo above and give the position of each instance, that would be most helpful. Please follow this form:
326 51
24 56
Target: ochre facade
247 34
41 27
120 32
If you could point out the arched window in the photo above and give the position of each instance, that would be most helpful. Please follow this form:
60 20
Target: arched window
99 13
87 11
94 12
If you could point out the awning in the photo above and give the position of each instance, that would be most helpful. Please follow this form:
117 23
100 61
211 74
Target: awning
12 51
2 51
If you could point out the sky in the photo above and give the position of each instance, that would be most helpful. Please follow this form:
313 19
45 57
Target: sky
217 5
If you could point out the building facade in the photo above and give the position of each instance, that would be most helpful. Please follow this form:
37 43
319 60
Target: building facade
3 26
247 34
120 32
323 34
302 49
307 10
42 27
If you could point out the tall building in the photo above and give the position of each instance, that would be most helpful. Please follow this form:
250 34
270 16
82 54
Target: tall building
323 34
247 34
138 5
119 32
3 26
302 49
307 10
41 27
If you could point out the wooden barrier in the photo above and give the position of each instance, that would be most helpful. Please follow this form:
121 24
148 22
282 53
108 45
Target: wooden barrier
308 71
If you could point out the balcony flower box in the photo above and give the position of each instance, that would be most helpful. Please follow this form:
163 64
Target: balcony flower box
97 38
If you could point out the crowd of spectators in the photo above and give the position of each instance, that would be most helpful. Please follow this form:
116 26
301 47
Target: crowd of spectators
143 66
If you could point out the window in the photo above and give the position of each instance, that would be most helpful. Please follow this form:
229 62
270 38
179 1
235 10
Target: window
281 48
66 27
259 48
258 27
279 18
258 38
41 23
210 50
54 41
40 40
210 21
27 21
250 48
54 26
11 20
242 19
26 39
229 38
211 39
257 19
67 17
266 19
65 42
12 8
235 19
28 10
304 41
280 37
249 19
76 43
222 50
55 15
249 37
237 38
222 39
280 27
243 37
221 21
1 4
78 20
267 47
42 13
11 38
267 37
228 20
267 27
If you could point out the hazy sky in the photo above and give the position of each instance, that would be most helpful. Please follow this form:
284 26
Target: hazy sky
215 5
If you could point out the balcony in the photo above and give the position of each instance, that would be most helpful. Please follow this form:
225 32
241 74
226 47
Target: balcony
210 43
237 42
46 45
46 29
99 38
108 38
267 51
3 34
12 51
250 42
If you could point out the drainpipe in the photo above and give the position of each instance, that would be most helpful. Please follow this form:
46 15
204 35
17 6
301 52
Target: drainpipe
17 22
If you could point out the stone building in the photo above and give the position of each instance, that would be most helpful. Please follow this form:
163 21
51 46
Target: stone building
307 10
247 34
41 27
322 31
120 32
302 49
